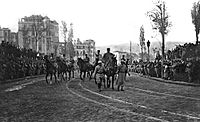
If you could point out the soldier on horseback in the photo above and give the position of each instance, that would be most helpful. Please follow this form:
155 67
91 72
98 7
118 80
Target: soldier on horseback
86 59
107 57
98 57
50 68
110 62
123 58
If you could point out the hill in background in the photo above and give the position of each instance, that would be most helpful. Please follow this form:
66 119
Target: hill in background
136 47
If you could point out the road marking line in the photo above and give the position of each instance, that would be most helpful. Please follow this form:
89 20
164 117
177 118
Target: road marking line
166 94
188 116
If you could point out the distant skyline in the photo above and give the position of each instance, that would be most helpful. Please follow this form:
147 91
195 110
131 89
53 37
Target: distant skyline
105 21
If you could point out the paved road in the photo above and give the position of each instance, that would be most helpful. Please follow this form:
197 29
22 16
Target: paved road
142 100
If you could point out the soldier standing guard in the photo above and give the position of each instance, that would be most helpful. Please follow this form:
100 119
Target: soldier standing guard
99 74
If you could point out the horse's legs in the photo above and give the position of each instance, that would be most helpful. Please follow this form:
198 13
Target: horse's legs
108 82
113 79
55 77
51 76
84 74
81 75
72 73
95 80
47 78
69 74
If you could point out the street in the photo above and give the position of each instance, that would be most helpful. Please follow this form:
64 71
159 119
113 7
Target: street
143 100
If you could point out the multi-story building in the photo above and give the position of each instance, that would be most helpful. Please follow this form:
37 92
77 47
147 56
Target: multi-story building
38 33
14 38
5 35
85 47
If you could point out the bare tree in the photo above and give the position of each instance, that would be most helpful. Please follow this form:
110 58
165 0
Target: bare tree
38 30
70 46
142 42
64 32
195 13
160 22
25 35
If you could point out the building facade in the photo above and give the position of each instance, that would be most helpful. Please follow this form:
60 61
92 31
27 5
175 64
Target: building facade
38 33
14 38
85 47
5 35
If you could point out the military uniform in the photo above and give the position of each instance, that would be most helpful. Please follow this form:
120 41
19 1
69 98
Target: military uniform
99 74
122 70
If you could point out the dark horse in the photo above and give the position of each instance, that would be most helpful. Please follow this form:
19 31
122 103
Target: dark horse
111 70
64 68
84 67
50 69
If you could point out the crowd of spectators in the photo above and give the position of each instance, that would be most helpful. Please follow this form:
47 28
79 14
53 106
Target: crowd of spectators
18 62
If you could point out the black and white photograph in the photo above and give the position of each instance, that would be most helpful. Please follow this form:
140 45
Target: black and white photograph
100 61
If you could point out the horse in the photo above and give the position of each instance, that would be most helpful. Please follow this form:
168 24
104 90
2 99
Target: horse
70 69
62 68
51 69
85 67
110 71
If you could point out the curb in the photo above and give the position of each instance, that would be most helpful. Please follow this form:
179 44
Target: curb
168 81
19 79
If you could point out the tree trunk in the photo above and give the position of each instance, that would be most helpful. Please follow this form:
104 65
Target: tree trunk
142 54
163 54
197 38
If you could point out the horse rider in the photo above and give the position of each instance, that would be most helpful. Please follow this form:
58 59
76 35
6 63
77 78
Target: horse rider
99 74
108 56
86 59
98 57
123 58
122 70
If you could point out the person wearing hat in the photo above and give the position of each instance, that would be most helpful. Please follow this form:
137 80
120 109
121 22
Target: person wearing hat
99 74
122 70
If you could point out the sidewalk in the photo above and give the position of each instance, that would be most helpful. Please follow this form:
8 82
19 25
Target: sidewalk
168 81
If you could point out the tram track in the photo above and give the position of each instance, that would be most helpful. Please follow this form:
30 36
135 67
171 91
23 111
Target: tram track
161 115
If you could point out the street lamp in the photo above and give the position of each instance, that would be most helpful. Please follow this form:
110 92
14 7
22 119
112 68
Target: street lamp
148 45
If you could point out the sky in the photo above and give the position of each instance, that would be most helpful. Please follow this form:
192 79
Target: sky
107 22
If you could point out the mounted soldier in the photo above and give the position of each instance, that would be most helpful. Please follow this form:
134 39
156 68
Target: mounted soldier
123 58
110 62
98 57
86 59
107 58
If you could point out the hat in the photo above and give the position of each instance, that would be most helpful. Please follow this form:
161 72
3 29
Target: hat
99 62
